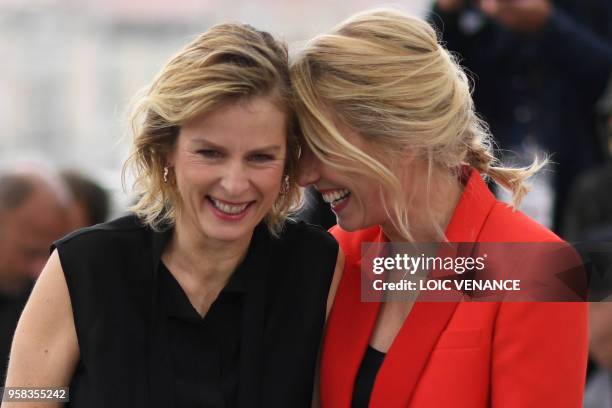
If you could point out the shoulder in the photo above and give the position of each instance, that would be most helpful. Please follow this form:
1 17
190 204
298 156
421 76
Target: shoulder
113 233
307 248
507 225
350 242
106 264
104 246
307 235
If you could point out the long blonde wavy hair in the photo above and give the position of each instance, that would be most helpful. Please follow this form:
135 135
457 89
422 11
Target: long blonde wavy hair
227 63
385 75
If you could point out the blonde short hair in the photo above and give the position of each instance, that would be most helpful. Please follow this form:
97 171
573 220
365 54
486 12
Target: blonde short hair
227 63
385 75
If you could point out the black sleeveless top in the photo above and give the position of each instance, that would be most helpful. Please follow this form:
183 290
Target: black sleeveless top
129 319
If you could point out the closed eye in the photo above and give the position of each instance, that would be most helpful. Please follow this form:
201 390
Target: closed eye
210 153
261 157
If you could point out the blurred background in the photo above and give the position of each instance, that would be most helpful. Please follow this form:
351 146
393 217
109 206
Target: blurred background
70 67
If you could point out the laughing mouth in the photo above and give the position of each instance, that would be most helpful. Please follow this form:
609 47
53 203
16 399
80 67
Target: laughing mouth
334 197
227 208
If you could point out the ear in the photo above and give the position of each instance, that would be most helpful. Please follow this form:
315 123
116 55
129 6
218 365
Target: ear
168 154
168 159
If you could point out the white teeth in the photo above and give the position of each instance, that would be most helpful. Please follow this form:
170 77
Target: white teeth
335 195
227 208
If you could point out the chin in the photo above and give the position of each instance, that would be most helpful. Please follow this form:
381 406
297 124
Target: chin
226 232
351 224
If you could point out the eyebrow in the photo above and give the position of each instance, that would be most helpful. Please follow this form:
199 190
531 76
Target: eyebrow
270 148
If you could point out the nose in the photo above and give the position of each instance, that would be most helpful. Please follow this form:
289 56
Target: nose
308 168
235 180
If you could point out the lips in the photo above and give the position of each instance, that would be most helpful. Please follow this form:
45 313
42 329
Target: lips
337 198
331 196
232 209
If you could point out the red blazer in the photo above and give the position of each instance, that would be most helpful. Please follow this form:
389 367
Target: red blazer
459 354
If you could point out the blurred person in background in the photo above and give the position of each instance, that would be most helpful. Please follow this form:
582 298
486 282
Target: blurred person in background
539 67
91 202
588 221
598 392
206 294
33 213
589 209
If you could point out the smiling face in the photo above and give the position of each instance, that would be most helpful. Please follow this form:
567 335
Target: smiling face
228 165
354 198
359 200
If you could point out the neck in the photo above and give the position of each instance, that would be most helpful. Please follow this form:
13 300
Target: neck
203 258
429 216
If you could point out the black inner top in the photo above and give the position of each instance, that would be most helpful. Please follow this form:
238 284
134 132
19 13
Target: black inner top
204 351
364 383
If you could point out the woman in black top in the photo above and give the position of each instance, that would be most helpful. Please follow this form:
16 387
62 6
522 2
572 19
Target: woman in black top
206 296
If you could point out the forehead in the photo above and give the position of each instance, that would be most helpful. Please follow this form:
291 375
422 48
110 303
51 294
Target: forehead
344 156
248 122
350 135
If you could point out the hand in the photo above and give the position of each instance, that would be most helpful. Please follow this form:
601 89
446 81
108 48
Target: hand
450 5
524 16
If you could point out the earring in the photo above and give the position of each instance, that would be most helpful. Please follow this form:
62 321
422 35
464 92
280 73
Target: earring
285 186
165 174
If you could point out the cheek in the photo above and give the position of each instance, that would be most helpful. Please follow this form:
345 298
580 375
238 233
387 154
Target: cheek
371 202
195 177
269 181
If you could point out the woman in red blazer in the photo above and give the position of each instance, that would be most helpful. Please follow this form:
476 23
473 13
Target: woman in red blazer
393 144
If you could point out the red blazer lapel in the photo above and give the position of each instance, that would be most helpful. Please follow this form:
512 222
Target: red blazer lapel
472 210
348 333
409 354
351 321
411 349
349 328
